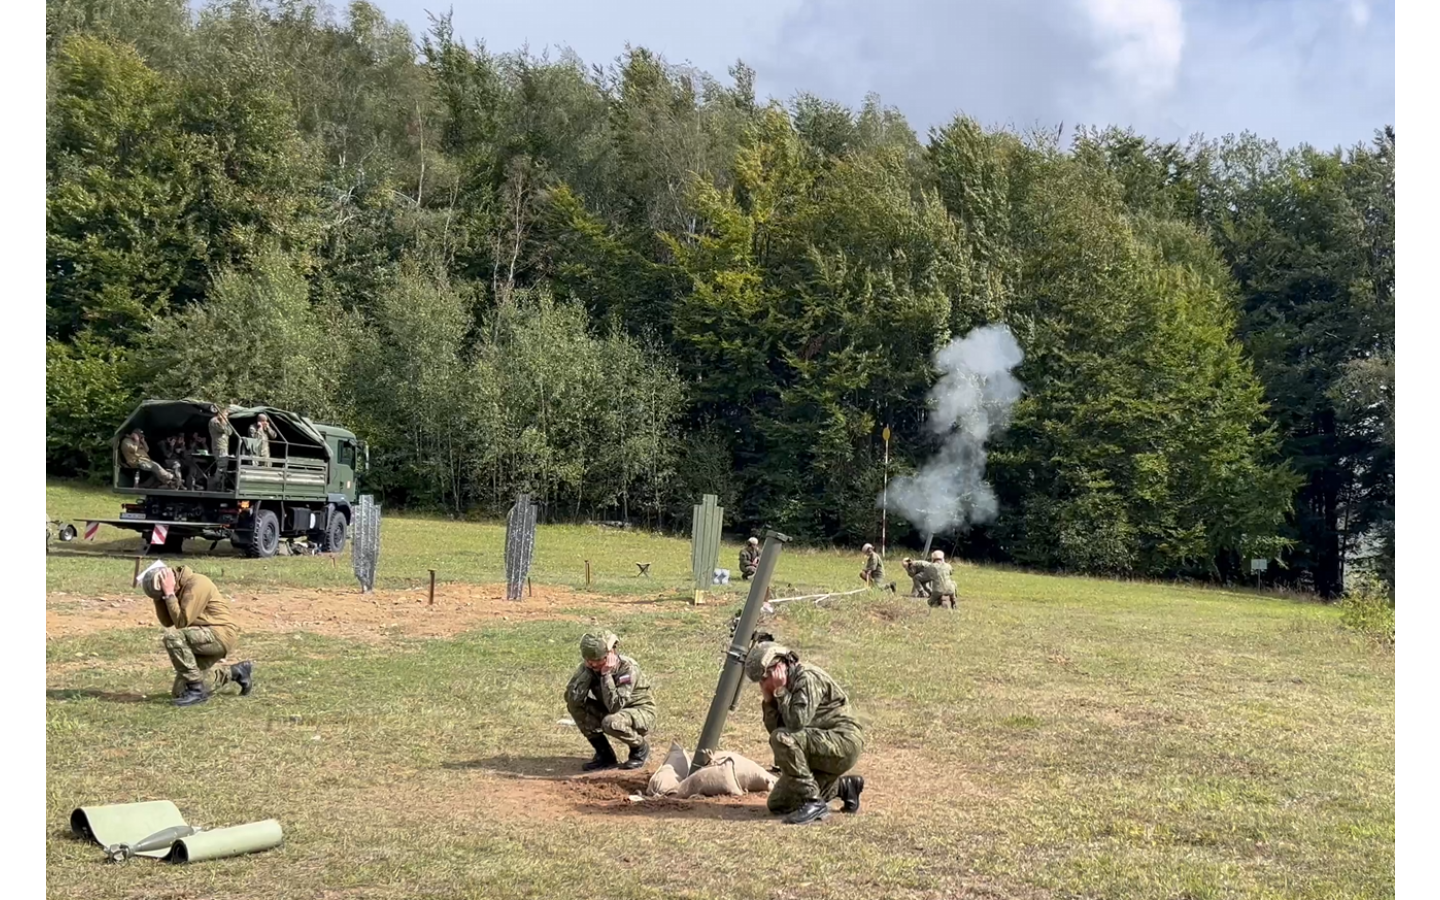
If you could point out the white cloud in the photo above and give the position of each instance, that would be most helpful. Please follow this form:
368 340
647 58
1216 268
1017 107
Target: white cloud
1143 42
1321 71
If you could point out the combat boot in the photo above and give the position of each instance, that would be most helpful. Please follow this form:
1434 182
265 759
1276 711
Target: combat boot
849 789
810 811
240 673
638 755
194 693
604 754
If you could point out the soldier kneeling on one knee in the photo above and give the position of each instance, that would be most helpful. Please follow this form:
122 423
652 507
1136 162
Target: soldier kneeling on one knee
199 632
813 734
608 696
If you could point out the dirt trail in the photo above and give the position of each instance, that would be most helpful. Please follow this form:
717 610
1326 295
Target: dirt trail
338 613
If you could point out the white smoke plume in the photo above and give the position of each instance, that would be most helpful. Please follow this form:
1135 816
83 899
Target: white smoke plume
972 401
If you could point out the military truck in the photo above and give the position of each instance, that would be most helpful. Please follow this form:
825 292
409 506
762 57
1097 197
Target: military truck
304 488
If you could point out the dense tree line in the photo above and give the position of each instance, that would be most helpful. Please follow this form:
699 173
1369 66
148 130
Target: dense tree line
621 286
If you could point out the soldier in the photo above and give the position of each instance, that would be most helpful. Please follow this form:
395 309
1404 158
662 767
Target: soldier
942 584
874 571
220 433
813 734
136 454
749 558
199 632
609 695
262 431
919 578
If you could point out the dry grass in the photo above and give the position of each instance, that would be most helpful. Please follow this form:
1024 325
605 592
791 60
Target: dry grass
1052 738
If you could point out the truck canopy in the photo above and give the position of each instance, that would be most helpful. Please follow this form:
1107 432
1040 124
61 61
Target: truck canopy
157 417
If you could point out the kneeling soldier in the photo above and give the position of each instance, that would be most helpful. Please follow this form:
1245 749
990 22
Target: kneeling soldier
199 632
813 734
749 558
940 577
609 695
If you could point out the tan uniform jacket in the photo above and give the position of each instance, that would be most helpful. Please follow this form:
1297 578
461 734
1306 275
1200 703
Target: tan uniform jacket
198 602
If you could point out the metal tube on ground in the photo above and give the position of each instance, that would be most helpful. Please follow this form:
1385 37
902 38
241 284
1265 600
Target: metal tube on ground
733 669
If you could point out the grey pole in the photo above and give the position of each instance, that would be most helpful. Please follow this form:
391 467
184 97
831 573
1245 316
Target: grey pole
734 667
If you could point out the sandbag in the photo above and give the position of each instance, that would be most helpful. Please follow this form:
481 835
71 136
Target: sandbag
711 781
664 781
750 775
678 760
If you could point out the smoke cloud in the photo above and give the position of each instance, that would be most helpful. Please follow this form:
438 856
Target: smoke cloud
972 401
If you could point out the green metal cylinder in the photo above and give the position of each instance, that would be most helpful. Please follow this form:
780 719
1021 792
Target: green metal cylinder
733 670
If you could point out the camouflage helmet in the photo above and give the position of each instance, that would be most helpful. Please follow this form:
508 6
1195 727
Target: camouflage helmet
595 647
753 540
867 548
761 658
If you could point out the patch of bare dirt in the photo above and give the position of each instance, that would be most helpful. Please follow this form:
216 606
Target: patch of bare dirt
337 613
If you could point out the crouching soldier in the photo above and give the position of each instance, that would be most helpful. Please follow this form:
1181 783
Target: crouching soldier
610 696
919 577
813 734
199 632
873 572
941 581
749 558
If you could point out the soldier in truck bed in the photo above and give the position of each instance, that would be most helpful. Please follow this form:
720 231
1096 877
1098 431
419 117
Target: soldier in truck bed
261 433
136 455
221 431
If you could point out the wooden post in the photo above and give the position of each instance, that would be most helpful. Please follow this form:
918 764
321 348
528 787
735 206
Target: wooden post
587 574
531 586
432 587
136 577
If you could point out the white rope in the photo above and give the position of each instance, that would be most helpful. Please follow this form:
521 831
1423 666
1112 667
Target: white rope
818 597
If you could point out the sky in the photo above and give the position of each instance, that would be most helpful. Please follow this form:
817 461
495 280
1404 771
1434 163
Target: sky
1313 71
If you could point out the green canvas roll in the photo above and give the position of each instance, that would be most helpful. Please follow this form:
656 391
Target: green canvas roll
223 842
126 823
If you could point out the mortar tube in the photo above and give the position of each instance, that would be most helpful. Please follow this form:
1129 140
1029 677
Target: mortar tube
733 671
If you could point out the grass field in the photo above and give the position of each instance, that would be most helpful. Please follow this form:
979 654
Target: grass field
1052 738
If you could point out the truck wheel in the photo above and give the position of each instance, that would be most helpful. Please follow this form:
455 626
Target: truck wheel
264 535
174 543
335 533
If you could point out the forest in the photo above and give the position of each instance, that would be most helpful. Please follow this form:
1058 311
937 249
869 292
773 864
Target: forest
621 285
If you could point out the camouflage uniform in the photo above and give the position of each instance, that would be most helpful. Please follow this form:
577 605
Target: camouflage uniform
813 735
919 579
199 630
136 455
749 560
262 433
942 584
874 571
220 433
618 704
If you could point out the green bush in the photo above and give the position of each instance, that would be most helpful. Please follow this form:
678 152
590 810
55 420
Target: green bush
1368 608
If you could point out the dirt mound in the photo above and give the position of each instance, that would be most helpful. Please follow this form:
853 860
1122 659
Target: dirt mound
339 613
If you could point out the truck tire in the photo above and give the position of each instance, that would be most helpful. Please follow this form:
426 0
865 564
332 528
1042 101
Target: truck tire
335 533
264 535
174 543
